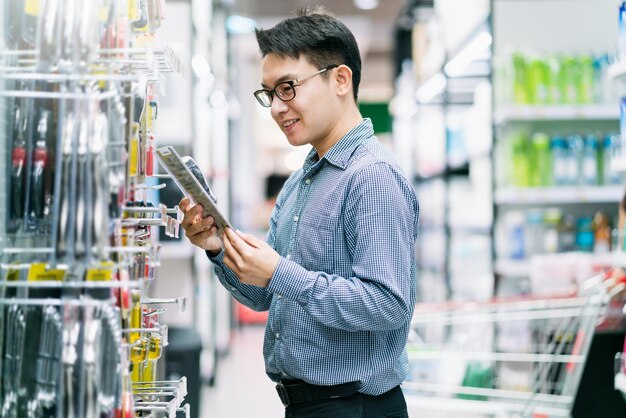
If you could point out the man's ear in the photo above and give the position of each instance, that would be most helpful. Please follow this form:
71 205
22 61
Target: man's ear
343 80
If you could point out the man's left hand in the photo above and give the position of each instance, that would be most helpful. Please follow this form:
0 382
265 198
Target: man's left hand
250 258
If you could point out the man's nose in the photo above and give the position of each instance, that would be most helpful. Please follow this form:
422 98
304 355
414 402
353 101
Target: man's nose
278 106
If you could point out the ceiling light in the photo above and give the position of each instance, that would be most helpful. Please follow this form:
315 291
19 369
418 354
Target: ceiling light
431 88
240 25
366 4
200 66
468 54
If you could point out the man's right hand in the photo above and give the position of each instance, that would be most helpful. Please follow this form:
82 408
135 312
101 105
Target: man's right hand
202 232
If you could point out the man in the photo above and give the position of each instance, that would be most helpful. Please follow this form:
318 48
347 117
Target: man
337 272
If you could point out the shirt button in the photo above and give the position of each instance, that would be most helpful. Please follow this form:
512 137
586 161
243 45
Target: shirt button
233 289
295 218
308 181
280 297
288 256
278 335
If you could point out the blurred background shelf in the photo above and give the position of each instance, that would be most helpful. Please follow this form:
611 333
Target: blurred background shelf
618 69
559 195
556 113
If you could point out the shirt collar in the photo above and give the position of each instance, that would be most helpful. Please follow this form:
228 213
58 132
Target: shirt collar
339 154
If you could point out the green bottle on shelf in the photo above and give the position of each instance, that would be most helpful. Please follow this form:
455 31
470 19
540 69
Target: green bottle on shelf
568 76
521 161
541 160
552 69
520 92
536 79
584 80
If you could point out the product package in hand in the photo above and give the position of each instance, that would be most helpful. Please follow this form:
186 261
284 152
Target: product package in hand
189 179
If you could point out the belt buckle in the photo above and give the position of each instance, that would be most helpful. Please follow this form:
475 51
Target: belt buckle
283 394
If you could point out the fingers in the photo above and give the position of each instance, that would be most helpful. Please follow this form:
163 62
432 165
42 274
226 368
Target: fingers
200 225
184 202
200 237
193 214
250 239
232 258
235 239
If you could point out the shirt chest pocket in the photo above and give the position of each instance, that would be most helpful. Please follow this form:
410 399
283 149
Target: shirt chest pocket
317 242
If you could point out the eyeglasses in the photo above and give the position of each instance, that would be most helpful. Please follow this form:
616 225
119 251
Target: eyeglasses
285 90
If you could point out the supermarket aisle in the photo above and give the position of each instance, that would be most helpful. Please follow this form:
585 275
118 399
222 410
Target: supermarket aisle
242 388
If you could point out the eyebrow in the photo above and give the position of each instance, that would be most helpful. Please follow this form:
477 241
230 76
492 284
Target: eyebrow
286 77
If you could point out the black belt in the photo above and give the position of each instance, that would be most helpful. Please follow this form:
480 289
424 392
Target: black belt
298 391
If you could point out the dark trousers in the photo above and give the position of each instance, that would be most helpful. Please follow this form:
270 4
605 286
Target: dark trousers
388 405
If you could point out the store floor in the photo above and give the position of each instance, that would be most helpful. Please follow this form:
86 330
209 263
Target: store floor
242 390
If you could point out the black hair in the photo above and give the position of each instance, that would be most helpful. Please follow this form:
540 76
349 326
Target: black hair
318 36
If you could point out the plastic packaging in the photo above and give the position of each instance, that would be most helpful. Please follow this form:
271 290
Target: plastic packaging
602 82
585 80
537 81
590 161
602 233
567 234
575 146
559 160
514 226
611 144
541 169
519 151
520 93
552 68
551 219
584 234
534 233
568 77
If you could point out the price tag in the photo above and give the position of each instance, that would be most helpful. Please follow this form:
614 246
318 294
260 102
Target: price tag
13 275
103 14
39 272
32 7
102 273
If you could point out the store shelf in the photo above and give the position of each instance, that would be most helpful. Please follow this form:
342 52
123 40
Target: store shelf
617 70
617 259
619 164
556 113
521 268
558 195
470 229
512 268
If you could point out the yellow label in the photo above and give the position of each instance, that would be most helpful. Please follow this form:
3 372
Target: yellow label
96 70
39 272
32 7
102 273
13 275
133 10
133 154
150 114
103 14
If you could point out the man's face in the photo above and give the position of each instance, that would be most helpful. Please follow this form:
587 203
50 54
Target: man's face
307 118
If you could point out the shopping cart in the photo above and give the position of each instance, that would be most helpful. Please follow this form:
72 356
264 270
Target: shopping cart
512 358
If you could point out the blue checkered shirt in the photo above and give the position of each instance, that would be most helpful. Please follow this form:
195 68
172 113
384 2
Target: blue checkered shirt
343 292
